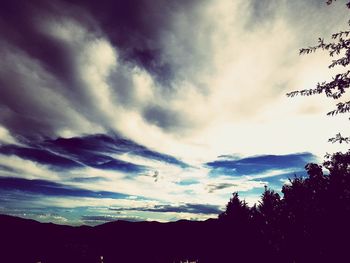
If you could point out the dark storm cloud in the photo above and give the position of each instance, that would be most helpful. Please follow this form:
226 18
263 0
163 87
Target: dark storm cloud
40 156
108 163
137 28
42 89
29 105
259 164
18 25
163 117
58 162
92 151
23 111
185 208
91 148
48 188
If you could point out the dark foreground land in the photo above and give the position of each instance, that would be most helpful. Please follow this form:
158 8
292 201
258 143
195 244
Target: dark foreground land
24 240
310 223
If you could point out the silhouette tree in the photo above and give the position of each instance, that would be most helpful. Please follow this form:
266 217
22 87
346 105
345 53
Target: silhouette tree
338 166
335 88
269 220
269 206
236 210
316 210
308 224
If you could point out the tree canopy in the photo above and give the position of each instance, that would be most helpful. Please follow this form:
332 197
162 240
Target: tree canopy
308 223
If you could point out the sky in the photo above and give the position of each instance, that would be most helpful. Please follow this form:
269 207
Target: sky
158 110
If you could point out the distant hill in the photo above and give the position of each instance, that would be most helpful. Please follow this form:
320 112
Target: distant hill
24 240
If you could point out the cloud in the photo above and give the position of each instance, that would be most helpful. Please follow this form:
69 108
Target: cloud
40 156
140 98
213 187
97 151
104 219
41 187
5 136
225 185
25 114
138 29
84 65
153 83
184 208
107 144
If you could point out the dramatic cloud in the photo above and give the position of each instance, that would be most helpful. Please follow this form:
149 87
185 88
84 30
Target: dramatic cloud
108 99
39 155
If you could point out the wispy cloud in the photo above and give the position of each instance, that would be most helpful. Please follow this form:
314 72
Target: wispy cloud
184 208
41 187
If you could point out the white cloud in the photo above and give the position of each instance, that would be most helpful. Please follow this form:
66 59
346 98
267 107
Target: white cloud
231 76
27 169
5 136
236 93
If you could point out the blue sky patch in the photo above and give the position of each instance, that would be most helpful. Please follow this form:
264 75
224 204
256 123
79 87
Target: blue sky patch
259 164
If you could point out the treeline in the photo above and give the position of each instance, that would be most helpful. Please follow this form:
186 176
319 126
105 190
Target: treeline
310 223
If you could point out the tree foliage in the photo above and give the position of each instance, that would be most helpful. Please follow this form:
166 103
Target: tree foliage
339 50
314 214
235 209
